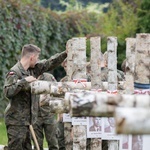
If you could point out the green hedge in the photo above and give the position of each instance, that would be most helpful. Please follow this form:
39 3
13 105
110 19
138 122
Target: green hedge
26 22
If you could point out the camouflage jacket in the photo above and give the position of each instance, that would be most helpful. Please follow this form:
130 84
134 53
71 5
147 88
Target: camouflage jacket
23 106
64 79
104 72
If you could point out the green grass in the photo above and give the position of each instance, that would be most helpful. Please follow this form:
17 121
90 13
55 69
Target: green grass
3 134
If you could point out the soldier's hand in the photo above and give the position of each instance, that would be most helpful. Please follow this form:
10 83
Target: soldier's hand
30 79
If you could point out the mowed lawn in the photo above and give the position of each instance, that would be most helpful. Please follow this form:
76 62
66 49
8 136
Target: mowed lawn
3 134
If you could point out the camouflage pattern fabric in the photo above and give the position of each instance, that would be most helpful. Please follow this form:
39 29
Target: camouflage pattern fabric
61 139
22 109
18 137
104 75
64 79
46 121
120 75
50 131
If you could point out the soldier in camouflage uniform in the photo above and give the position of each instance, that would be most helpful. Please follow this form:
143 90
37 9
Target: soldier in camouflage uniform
120 74
123 65
61 138
22 109
46 120
104 74
104 70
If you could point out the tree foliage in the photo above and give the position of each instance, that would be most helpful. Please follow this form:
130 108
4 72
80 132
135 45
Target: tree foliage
24 22
144 17
63 5
120 21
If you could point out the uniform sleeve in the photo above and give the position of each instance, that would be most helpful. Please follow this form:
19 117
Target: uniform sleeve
53 78
120 75
12 85
50 64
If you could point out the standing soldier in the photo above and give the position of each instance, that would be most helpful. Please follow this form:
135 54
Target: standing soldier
61 138
46 120
120 74
22 109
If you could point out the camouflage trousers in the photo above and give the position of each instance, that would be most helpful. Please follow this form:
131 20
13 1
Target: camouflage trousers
19 137
51 134
61 138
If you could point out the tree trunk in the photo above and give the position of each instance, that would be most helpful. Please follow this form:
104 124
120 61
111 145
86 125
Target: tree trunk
79 72
58 89
58 107
132 120
112 77
100 105
142 61
68 125
95 63
130 65
69 59
96 83
112 63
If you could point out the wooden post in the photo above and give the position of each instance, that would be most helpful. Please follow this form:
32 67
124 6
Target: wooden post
69 59
130 64
68 125
112 76
142 61
126 118
112 63
79 58
95 62
79 72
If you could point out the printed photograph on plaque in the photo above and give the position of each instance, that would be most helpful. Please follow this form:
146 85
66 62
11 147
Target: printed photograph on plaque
109 125
137 142
126 142
108 129
94 127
